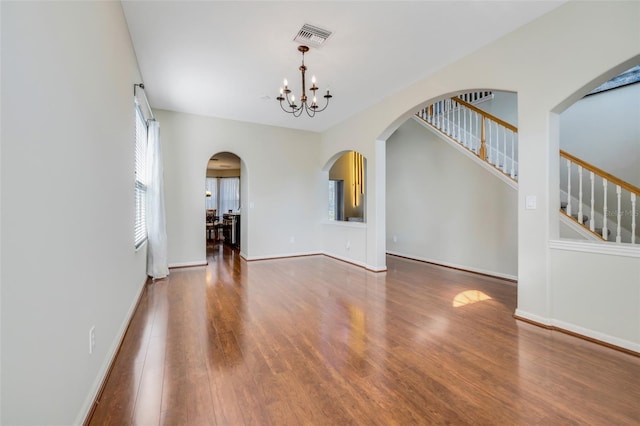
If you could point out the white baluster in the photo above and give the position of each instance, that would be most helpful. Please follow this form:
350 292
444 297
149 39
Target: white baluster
452 119
471 131
513 155
592 221
478 129
580 221
449 118
488 141
447 127
456 123
465 133
605 230
496 145
460 127
633 218
568 187
504 149
618 229
445 111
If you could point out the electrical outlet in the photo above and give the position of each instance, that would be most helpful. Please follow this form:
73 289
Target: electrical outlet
92 339
395 238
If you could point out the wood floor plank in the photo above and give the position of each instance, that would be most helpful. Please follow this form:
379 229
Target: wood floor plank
312 340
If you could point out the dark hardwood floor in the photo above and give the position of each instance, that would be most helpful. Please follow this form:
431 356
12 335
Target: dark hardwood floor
313 340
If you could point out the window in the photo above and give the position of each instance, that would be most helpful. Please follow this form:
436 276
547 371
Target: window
225 194
211 202
229 194
336 209
140 224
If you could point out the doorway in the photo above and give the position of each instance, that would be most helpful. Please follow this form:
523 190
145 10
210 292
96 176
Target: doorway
222 204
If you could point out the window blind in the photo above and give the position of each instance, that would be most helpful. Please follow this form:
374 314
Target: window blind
140 224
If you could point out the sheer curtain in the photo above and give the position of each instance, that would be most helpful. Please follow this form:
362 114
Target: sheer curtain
211 186
229 196
157 263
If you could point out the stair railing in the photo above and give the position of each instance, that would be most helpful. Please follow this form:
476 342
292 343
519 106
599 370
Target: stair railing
490 138
624 214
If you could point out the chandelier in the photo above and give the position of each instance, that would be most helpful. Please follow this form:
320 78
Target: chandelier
309 106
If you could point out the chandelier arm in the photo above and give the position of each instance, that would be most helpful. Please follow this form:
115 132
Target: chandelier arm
310 111
325 106
281 106
295 111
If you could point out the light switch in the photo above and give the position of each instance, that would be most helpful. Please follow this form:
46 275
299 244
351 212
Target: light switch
531 202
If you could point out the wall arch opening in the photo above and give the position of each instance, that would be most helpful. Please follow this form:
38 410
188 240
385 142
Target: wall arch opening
598 166
223 203
346 197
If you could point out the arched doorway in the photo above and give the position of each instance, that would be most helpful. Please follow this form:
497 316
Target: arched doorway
223 183
445 203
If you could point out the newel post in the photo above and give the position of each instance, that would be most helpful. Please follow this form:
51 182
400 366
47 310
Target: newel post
483 141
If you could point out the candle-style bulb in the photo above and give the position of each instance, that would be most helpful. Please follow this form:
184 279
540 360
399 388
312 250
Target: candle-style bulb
286 83
281 91
315 101
313 79
293 99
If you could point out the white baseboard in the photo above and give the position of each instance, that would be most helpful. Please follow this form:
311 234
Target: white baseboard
280 255
579 330
187 264
111 353
602 337
356 262
316 253
533 317
457 266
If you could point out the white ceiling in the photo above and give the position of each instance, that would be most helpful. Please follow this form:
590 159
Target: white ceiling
228 58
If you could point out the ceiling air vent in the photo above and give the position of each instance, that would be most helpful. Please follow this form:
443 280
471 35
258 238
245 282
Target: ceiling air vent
312 36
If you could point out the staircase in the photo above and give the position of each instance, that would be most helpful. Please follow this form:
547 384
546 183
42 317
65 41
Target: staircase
609 207
488 137
605 215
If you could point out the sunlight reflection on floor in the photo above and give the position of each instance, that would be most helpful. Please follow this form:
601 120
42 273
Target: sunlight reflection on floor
468 297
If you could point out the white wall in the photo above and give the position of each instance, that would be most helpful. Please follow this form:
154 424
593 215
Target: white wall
443 207
519 62
604 130
503 105
67 185
602 279
281 196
